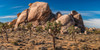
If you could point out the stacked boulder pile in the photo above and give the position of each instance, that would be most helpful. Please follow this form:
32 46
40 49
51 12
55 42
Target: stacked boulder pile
39 13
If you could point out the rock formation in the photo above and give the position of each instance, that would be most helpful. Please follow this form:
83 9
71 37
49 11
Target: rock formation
21 18
58 14
18 14
66 21
78 20
38 11
13 22
30 4
92 29
72 19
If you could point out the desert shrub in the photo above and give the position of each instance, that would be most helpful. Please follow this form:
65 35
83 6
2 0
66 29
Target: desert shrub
29 25
15 43
90 31
85 47
97 32
39 29
1 25
22 27
10 26
60 48
93 31
72 30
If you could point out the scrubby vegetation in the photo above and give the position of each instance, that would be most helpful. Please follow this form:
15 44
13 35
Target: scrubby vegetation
72 31
48 37
3 28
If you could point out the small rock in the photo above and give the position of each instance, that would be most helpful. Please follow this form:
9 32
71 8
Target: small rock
82 40
85 32
32 41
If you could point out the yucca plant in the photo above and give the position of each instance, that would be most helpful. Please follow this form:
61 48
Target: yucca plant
53 28
29 25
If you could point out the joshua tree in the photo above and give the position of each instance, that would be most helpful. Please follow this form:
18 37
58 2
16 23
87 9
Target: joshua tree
53 28
1 28
5 26
71 30
29 25
1 31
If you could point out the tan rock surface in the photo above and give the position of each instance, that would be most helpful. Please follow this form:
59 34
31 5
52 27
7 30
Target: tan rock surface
66 21
13 22
37 11
30 4
18 14
21 18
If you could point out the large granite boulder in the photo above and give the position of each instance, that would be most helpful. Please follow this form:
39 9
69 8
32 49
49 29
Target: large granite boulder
13 22
21 18
66 21
38 11
71 19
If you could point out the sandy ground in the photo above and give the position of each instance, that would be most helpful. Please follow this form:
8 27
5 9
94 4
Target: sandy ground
21 40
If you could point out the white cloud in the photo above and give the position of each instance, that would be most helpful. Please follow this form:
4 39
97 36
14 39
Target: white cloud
63 12
96 12
17 7
83 13
92 23
12 16
86 13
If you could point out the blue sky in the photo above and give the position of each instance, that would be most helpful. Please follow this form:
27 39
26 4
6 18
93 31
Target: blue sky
89 9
